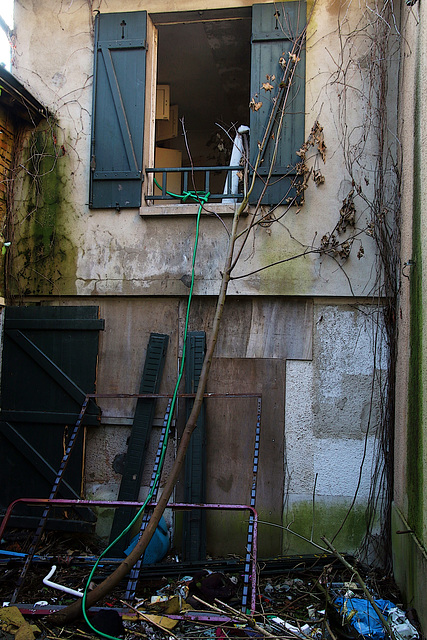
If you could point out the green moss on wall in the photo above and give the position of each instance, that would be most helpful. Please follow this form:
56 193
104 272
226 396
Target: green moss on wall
44 258
327 521
415 391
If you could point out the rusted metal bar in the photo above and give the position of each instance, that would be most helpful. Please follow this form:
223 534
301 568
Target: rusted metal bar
68 451
170 395
181 506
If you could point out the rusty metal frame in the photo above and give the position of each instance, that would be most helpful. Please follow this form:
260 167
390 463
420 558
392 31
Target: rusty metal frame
52 497
181 506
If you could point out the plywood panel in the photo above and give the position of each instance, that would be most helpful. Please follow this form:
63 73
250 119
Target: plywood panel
259 327
230 446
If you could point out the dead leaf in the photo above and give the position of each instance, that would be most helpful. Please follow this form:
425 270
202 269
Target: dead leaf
344 252
347 213
26 631
267 86
255 106
318 177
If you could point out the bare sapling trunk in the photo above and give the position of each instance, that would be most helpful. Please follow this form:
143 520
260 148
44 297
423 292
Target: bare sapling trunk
74 610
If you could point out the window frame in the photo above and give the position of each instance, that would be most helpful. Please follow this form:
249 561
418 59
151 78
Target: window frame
149 122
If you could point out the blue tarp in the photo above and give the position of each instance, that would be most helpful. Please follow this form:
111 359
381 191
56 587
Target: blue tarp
365 619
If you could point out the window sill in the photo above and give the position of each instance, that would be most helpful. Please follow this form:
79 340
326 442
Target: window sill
173 209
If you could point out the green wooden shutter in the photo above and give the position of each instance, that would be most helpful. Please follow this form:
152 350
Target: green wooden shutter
139 437
194 542
118 110
274 26
50 357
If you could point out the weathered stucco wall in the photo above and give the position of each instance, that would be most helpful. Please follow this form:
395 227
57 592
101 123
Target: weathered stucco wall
310 364
287 332
332 412
134 252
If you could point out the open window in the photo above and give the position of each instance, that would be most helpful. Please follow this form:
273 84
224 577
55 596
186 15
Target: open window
205 68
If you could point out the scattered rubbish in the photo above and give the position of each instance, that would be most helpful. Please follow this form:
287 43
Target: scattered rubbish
401 626
48 582
209 586
157 599
306 597
301 632
108 621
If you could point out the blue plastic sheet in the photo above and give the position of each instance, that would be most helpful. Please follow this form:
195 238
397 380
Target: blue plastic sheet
365 619
157 547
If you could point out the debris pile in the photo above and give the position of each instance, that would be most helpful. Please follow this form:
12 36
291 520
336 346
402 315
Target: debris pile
299 597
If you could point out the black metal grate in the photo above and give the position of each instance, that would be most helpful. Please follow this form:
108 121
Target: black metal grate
192 178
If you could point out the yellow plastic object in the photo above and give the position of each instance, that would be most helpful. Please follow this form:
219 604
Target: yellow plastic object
12 621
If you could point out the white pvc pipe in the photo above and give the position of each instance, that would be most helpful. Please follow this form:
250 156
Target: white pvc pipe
54 585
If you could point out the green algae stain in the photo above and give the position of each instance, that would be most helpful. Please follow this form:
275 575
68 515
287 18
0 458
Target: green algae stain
294 277
44 257
415 390
327 521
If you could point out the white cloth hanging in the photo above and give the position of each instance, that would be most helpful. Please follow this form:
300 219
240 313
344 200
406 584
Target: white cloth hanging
232 182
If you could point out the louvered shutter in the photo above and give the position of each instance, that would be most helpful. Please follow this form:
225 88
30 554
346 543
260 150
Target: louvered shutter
118 110
273 28
194 539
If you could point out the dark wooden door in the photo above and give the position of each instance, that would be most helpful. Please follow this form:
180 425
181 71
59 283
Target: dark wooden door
48 366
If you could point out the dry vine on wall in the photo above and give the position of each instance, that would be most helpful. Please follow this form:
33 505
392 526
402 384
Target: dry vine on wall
372 162
367 64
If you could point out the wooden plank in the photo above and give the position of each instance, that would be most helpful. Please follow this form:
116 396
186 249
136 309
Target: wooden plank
230 445
48 417
259 327
118 110
55 324
49 364
143 420
273 32
194 521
